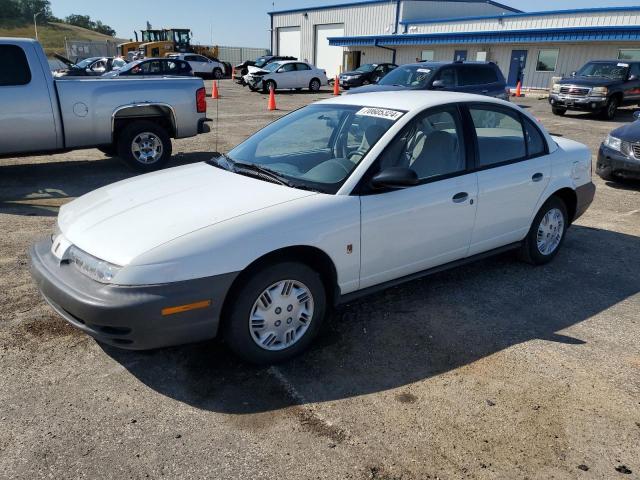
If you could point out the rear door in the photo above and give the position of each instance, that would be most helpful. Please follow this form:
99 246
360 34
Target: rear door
514 169
305 73
27 122
479 79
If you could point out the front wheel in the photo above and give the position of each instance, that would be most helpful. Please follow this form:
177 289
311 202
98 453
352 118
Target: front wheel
217 73
609 112
276 314
558 111
546 234
144 146
268 85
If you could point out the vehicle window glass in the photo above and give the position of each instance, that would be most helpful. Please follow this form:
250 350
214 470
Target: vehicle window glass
318 145
500 135
535 140
476 75
612 70
303 66
99 66
447 76
150 68
289 67
15 69
191 58
635 69
486 75
431 145
203 59
118 63
171 67
412 76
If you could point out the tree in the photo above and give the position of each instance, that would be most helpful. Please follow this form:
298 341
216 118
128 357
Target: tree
9 9
85 21
28 8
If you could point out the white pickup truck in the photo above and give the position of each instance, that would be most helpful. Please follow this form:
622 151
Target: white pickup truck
134 119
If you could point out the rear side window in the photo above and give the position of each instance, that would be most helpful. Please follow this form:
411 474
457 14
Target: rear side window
302 66
477 75
15 68
500 135
535 140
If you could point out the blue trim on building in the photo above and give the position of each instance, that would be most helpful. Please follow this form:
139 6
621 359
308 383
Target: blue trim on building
369 2
547 35
521 14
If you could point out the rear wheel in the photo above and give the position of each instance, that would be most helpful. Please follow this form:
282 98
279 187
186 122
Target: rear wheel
558 111
546 234
217 73
314 85
144 146
276 314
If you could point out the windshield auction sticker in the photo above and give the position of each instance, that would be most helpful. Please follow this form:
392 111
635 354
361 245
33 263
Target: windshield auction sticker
380 113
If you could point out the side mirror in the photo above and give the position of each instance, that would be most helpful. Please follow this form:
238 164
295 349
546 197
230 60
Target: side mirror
437 84
636 115
395 177
574 73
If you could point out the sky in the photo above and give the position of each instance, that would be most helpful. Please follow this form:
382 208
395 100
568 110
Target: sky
237 23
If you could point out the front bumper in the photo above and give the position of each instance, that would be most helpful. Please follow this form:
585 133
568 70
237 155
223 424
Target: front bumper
129 316
611 161
569 102
350 83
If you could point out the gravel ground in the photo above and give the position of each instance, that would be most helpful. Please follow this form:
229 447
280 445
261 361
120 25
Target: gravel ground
493 370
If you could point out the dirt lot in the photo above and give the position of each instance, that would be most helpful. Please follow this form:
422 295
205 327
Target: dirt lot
495 370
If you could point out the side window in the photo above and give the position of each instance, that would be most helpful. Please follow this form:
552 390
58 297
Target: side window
288 67
203 59
302 66
448 76
15 68
535 140
431 145
500 135
635 69
170 67
191 58
151 68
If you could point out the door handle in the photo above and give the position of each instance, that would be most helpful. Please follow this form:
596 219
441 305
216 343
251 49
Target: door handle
460 197
537 177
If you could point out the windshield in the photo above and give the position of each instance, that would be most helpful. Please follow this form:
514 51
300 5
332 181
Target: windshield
318 146
615 71
86 62
412 76
366 68
272 67
261 61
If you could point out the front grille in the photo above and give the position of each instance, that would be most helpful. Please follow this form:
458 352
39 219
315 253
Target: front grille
636 150
575 91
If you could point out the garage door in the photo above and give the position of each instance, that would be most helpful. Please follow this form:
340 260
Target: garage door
327 57
289 41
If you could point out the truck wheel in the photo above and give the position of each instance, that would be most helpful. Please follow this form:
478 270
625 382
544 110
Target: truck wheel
276 313
609 112
217 73
144 146
109 150
558 111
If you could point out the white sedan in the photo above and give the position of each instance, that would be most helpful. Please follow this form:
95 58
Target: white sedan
332 201
290 74
201 65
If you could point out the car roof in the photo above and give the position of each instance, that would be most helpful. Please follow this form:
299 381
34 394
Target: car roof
409 100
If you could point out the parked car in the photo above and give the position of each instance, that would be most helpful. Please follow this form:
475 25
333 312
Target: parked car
619 154
365 75
483 78
89 67
201 65
600 86
134 119
153 67
451 177
243 68
288 74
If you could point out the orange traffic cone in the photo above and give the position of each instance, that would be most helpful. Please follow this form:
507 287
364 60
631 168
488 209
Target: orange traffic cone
336 86
215 94
519 89
272 99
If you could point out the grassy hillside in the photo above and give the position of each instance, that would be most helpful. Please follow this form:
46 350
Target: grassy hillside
52 35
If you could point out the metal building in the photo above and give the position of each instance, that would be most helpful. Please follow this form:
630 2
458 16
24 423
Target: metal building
532 47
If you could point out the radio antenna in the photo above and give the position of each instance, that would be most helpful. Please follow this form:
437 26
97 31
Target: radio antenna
217 118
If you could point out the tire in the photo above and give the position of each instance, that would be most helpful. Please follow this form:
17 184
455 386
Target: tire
253 332
558 111
609 112
141 132
266 86
365 83
217 73
109 150
534 252
314 85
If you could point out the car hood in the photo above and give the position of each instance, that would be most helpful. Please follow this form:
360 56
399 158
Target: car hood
590 81
121 221
376 88
629 132
352 73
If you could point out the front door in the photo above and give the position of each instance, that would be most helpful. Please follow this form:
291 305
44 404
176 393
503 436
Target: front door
460 56
287 76
408 230
516 67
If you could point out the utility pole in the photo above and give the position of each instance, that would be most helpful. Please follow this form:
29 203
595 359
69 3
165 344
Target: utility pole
35 22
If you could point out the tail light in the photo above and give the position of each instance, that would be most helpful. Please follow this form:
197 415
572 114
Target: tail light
201 100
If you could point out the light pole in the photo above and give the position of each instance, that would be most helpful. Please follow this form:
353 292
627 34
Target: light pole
35 22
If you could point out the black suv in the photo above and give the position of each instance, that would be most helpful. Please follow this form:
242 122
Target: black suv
243 68
365 75
600 86
483 78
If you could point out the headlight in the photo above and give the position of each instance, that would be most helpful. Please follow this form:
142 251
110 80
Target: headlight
92 267
613 143
555 88
599 91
